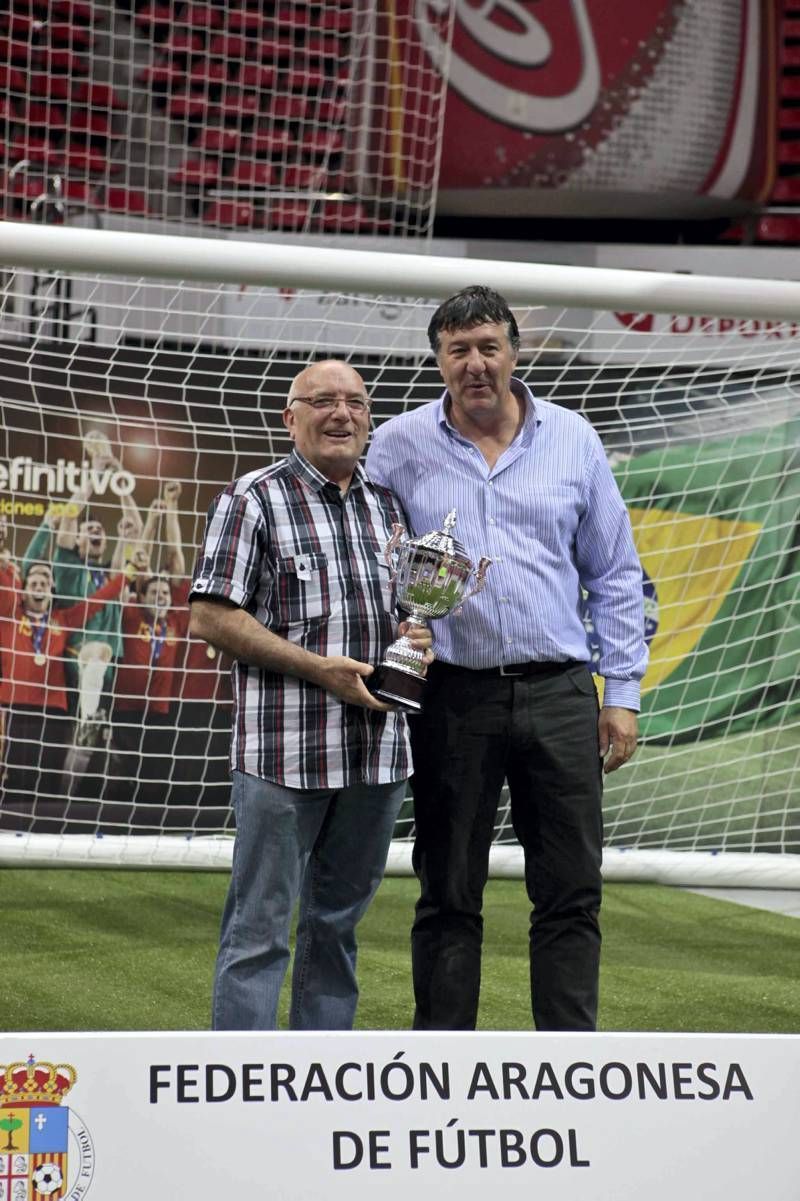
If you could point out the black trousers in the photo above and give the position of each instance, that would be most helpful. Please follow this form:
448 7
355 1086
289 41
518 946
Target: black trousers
539 733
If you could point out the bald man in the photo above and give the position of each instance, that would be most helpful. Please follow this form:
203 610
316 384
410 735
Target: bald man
292 585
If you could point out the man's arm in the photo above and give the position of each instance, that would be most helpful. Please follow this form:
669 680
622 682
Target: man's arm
238 634
67 526
611 573
174 559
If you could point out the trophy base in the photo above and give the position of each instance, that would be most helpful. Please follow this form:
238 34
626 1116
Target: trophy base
404 689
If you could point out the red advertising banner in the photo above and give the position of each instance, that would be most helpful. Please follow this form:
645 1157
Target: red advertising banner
576 107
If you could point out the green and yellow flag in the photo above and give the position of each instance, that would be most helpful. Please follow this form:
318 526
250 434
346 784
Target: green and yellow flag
716 526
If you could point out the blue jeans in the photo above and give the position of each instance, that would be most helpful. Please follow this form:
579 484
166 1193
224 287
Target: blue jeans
328 848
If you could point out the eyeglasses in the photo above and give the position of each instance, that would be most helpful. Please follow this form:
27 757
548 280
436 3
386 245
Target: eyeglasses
327 404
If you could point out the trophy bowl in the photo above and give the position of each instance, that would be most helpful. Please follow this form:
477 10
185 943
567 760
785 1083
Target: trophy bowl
431 575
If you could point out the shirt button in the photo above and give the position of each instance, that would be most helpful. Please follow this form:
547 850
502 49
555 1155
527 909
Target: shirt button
491 521
509 640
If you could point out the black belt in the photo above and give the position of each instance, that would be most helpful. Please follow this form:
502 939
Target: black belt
536 667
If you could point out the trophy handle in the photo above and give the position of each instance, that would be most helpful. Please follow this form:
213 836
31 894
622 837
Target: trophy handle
480 580
398 534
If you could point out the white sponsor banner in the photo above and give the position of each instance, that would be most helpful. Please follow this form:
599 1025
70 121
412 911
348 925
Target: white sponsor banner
611 1117
674 338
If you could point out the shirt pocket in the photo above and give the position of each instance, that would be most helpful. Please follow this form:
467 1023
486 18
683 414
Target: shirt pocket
302 588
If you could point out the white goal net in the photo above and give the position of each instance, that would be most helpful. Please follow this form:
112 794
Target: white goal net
282 116
129 400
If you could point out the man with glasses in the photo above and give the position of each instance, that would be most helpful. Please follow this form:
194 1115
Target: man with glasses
292 585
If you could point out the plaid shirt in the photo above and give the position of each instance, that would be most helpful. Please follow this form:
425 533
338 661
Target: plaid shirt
284 545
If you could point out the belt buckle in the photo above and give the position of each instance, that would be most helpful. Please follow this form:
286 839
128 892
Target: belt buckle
511 674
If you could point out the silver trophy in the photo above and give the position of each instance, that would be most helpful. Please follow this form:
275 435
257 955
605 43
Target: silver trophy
430 575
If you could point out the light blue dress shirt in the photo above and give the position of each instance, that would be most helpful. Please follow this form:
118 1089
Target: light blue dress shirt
550 516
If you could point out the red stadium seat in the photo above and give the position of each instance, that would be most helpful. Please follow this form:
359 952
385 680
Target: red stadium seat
49 117
258 76
196 172
52 87
269 143
238 106
12 80
97 95
163 75
154 17
218 141
345 216
249 173
58 59
19 52
35 150
90 125
323 47
228 47
244 20
788 119
90 162
790 87
182 45
22 26
778 227
307 80
190 106
337 21
329 112
299 20
202 16
287 214
318 142
78 191
301 177
24 186
126 200
786 191
275 50
789 153
229 213
289 108
208 73
74 10
63 33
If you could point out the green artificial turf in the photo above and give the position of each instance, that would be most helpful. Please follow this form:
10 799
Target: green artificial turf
115 950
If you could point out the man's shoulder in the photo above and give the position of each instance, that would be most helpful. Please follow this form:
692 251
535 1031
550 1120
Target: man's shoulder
409 423
257 482
565 421
385 497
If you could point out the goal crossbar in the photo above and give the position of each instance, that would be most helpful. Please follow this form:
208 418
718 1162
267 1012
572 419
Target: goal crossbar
261 263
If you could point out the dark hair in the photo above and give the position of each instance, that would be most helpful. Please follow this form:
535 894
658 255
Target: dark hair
159 578
36 565
472 306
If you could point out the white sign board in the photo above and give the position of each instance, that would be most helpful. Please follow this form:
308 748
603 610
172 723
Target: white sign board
610 1117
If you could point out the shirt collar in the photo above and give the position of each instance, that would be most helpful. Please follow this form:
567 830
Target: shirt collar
315 480
533 415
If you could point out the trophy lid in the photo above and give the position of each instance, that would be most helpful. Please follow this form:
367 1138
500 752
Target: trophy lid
442 541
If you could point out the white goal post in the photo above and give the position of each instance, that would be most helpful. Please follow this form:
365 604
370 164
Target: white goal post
131 360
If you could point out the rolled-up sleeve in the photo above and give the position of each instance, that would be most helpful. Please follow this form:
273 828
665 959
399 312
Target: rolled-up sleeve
230 563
